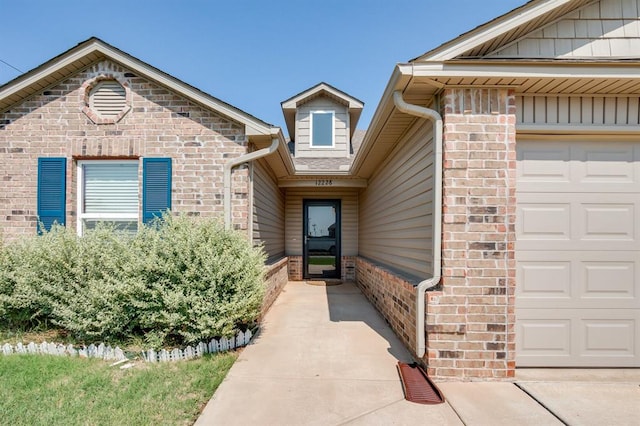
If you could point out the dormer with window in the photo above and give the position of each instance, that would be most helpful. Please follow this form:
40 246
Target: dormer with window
321 122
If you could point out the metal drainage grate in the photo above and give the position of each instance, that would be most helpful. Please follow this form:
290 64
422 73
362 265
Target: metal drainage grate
417 385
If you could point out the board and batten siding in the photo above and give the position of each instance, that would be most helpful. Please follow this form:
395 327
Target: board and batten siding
608 28
396 209
303 128
602 110
348 210
268 212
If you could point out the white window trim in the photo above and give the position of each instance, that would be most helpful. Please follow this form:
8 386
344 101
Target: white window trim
80 215
333 129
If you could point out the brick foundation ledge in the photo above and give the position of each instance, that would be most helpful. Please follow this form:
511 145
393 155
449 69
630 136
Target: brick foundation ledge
275 278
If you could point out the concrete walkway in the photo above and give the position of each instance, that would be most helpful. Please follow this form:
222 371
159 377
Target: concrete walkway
325 356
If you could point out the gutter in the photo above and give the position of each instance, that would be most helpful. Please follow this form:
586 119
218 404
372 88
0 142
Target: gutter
233 162
425 285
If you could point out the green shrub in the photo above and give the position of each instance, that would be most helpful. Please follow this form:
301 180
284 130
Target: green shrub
180 281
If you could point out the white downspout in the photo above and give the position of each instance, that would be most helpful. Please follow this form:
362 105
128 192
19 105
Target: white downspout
233 162
423 286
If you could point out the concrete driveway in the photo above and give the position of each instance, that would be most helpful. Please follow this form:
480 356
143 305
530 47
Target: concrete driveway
325 356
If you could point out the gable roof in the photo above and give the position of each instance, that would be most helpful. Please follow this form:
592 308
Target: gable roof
470 61
290 105
88 52
503 30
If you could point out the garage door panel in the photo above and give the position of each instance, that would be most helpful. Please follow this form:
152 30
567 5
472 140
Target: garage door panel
578 166
577 337
543 337
607 337
569 279
576 222
610 281
544 279
608 221
544 163
578 253
610 163
544 220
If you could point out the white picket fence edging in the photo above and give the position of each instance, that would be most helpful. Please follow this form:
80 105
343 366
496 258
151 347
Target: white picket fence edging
116 354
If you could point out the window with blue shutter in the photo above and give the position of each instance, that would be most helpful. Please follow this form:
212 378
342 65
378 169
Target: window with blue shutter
156 187
52 180
108 192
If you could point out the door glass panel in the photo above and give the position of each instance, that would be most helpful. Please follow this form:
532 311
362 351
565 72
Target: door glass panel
322 242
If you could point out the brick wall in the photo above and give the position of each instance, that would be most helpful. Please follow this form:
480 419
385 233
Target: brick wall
295 268
159 123
347 271
276 277
470 323
392 296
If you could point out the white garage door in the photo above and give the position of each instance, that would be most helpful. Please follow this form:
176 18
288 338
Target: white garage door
578 253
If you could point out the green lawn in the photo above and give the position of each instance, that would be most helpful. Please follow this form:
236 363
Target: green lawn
322 260
50 390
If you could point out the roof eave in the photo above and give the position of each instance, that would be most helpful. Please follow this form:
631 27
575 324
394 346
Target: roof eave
253 125
400 78
491 30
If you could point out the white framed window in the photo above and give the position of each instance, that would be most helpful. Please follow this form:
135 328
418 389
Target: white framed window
322 129
108 191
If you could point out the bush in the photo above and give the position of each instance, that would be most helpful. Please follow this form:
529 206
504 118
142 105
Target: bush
179 281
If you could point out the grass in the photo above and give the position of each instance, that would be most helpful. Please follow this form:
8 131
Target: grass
316 260
50 390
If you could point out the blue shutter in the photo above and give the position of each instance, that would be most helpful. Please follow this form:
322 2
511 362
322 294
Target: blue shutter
156 187
52 182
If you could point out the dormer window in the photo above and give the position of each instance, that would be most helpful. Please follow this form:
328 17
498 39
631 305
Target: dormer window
322 129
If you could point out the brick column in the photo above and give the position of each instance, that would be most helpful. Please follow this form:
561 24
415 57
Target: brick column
470 323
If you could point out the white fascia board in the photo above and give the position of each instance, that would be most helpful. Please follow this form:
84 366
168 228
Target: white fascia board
519 70
470 41
292 103
55 66
253 127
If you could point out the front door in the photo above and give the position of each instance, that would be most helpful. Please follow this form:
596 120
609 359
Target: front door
321 239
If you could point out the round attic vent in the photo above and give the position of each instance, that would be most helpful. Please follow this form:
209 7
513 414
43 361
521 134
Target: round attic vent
108 99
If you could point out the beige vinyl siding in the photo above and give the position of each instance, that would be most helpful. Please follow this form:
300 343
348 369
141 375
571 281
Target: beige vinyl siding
303 128
396 209
349 219
609 28
602 110
268 212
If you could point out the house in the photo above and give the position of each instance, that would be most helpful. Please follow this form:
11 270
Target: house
530 130
96 134
490 212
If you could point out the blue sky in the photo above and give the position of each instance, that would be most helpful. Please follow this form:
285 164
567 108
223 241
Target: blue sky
249 53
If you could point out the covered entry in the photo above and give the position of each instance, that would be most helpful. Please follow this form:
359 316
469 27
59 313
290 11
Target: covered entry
578 252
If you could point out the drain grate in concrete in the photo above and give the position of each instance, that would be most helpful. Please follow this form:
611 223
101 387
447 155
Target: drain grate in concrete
417 386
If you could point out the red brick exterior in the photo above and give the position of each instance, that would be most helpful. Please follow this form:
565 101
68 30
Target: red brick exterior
470 320
347 271
276 276
157 123
393 297
470 323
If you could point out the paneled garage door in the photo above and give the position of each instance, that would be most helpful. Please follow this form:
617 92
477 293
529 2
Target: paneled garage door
578 252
